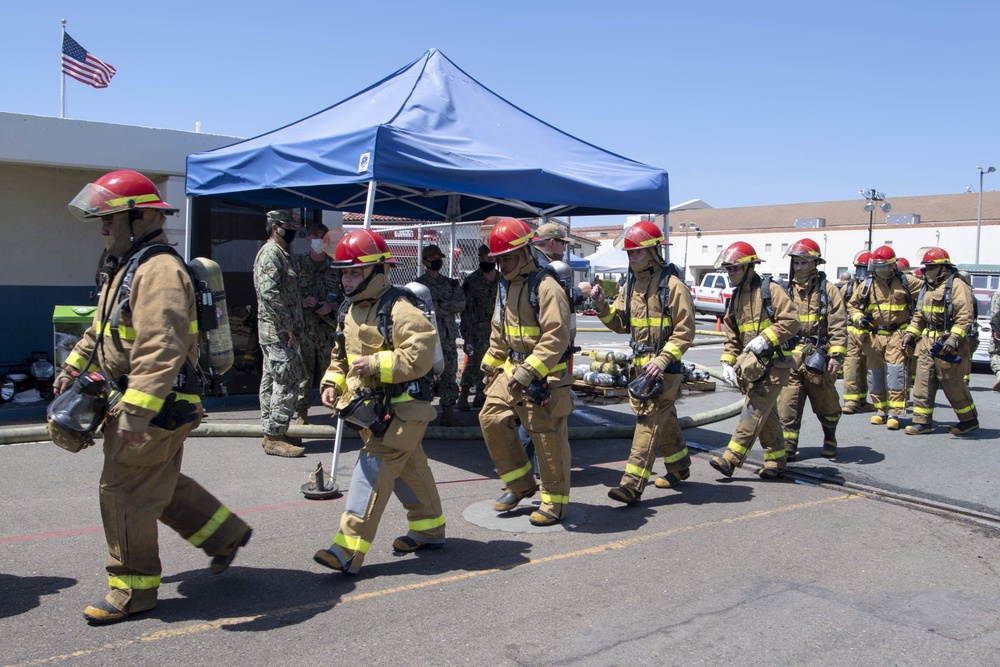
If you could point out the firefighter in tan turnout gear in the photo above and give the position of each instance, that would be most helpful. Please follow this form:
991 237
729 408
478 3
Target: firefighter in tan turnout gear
945 316
820 346
151 356
656 308
858 344
760 320
882 306
381 386
526 366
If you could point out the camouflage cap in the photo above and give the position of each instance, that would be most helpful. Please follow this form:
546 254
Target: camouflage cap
433 251
550 230
281 217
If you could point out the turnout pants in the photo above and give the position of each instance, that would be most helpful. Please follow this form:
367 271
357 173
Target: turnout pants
821 389
547 425
759 419
392 464
140 485
887 375
933 373
656 429
856 367
279 387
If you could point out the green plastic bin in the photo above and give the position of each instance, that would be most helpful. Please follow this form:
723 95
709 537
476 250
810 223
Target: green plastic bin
68 325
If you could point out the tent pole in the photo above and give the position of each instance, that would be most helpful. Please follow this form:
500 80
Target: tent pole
370 204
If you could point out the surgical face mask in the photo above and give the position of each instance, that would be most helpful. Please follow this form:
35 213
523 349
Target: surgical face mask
435 264
486 267
316 245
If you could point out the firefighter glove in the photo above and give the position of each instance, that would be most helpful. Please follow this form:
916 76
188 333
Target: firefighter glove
758 345
729 375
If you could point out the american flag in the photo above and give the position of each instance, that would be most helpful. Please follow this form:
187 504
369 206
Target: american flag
83 66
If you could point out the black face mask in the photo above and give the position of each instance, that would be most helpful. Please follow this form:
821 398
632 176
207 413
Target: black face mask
435 264
486 267
288 235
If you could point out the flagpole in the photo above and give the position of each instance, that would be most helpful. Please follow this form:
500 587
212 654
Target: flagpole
62 75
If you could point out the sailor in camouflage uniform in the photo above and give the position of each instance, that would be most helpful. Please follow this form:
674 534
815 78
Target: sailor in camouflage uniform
319 285
480 289
995 338
449 300
280 327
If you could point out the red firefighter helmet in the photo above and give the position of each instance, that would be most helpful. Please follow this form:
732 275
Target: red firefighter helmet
643 234
117 191
738 253
862 258
883 256
936 256
509 234
903 265
806 249
361 247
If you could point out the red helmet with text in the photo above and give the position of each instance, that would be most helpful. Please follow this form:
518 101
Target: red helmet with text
509 234
361 247
643 234
936 256
806 249
882 257
738 253
862 258
118 191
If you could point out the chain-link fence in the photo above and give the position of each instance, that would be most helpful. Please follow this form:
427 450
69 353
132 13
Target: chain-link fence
406 244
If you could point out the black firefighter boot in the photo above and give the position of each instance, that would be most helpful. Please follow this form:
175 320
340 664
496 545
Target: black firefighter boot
829 425
463 399
448 417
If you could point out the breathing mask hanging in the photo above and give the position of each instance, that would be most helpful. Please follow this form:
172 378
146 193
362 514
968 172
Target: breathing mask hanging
366 412
77 414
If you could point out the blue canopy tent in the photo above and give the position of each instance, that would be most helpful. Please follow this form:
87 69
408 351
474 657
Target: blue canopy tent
430 143
578 263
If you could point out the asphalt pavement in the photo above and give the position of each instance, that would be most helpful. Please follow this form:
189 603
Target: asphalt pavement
884 555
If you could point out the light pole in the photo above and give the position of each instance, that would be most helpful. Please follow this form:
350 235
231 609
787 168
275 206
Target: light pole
979 219
687 227
874 196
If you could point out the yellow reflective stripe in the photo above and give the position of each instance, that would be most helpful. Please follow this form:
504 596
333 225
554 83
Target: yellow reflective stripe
837 349
771 336
402 398
375 257
637 471
193 327
673 350
124 201
537 364
962 411
491 361
124 332
880 404
922 411
610 316
554 500
932 309
913 330
753 326
808 318
336 379
142 399
738 448
424 525
351 543
855 330
190 398
210 526
771 456
886 306
509 477
650 322
958 331
133 581
676 457
522 331
383 362
77 361
728 358
899 405
854 397
641 361
790 435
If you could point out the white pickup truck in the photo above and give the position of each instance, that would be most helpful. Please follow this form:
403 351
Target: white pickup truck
712 294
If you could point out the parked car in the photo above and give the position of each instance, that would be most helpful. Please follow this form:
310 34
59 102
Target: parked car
712 294
982 353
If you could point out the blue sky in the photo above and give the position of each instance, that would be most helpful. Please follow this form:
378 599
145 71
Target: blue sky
743 103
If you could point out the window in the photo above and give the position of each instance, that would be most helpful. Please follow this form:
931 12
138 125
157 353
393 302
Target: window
784 247
704 249
767 247
840 270
718 248
720 282
889 243
783 278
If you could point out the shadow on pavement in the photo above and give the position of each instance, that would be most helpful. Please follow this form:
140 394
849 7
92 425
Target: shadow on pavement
22 594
